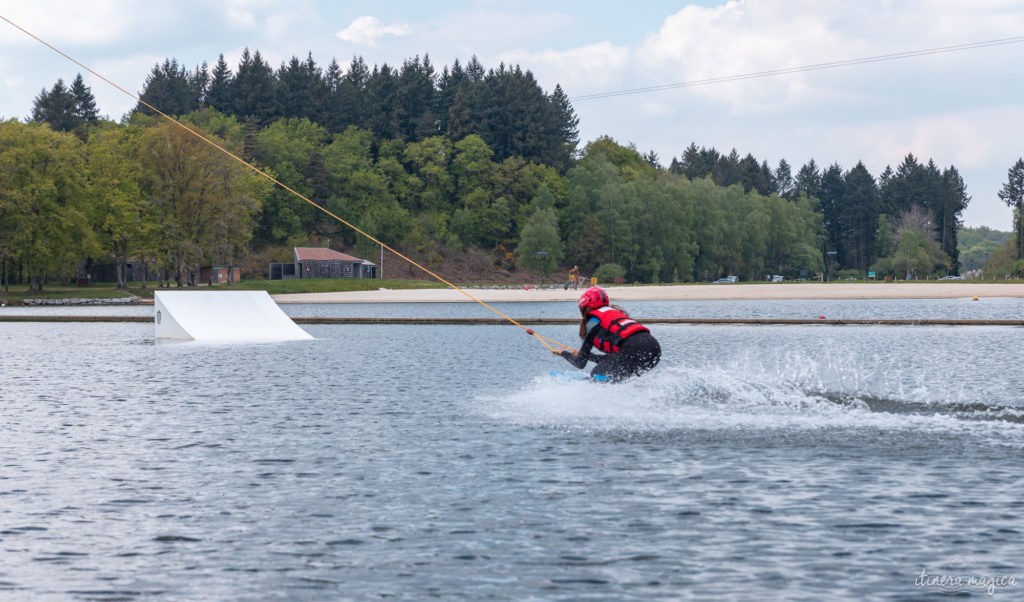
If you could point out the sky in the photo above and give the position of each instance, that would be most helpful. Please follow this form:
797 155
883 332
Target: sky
940 79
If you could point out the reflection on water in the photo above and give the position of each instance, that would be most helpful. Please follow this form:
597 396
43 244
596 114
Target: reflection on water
799 462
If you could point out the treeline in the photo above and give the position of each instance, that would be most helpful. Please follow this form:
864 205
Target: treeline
864 217
506 106
978 245
154 193
433 164
150 190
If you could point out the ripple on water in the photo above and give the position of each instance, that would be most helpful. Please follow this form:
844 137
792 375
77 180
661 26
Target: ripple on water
826 463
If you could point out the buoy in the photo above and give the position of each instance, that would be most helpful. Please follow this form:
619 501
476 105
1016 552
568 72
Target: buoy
821 317
974 299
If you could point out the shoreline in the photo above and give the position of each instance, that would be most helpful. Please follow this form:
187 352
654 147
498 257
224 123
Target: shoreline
681 292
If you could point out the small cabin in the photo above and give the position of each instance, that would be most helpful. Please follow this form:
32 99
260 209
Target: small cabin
319 262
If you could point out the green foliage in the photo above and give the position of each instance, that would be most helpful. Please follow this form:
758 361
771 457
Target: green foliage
977 246
44 223
505 107
252 90
461 158
120 222
1003 264
202 202
666 228
609 273
66 109
429 161
171 89
540 235
482 220
916 257
1012 193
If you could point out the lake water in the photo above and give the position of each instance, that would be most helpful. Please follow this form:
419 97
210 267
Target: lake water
413 462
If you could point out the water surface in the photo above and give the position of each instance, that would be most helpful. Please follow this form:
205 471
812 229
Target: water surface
408 462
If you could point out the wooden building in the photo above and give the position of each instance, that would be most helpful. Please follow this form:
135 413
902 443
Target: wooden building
319 262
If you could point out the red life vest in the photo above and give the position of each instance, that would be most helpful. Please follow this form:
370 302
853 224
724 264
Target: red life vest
615 326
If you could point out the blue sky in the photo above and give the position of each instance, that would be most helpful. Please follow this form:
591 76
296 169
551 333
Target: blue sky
962 108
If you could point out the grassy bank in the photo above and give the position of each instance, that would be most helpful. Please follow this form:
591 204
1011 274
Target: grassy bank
17 293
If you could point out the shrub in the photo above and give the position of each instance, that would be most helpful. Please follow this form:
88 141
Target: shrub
609 272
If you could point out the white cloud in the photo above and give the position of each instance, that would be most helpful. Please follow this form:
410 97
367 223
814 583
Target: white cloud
365 31
740 38
246 14
239 17
578 70
87 23
756 36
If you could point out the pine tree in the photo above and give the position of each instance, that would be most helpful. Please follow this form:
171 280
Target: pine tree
903 190
350 104
254 90
784 184
831 197
858 214
954 199
808 181
726 170
456 110
218 93
754 177
415 100
85 102
698 163
1012 193
381 101
300 89
199 83
56 107
567 124
169 89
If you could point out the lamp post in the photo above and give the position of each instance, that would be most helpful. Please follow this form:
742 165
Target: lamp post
543 255
831 261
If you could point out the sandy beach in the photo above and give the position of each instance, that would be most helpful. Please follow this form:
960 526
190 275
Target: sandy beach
687 292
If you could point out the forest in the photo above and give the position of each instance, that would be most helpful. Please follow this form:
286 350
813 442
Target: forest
433 164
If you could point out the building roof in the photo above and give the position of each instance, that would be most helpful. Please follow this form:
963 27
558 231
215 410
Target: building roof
321 254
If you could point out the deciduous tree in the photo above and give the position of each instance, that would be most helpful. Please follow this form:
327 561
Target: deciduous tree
1012 193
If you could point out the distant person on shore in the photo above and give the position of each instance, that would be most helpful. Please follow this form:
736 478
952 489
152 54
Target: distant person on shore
574 278
629 348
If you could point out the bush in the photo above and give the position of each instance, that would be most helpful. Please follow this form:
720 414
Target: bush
609 272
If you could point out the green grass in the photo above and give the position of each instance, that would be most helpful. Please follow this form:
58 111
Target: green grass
328 285
17 293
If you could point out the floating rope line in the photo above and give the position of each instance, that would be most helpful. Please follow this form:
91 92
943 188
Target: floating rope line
551 344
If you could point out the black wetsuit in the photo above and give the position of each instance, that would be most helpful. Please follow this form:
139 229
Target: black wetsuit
637 354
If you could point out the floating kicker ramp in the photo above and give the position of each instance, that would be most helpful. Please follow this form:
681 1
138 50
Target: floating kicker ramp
223 316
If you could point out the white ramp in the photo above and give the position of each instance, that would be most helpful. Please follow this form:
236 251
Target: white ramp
223 316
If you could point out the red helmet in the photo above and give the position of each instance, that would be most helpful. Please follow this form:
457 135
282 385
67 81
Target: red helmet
593 298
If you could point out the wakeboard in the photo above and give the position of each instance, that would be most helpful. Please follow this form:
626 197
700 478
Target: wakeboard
568 376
